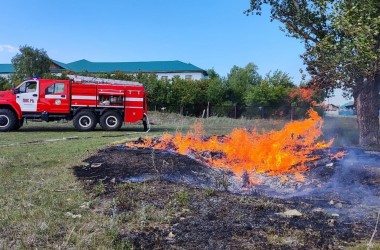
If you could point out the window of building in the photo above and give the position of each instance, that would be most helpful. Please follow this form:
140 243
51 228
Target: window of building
188 77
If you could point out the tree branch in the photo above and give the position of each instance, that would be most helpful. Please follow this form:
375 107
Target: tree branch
295 29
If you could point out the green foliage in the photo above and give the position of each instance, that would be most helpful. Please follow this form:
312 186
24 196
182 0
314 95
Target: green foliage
216 90
348 56
341 38
158 91
342 49
239 80
31 62
4 83
99 188
272 91
212 74
306 20
118 75
63 76
185 92
182 198
16 79
279 78
209 192
176 92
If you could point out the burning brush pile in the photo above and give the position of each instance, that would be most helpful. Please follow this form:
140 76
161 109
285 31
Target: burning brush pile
287 189
250 155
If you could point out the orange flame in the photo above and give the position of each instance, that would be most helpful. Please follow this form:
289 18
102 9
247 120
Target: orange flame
303 95
338 155
274 153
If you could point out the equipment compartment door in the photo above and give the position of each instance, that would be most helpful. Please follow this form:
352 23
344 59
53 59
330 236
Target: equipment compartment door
134 105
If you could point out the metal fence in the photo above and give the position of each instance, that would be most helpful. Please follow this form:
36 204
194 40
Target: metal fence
239 111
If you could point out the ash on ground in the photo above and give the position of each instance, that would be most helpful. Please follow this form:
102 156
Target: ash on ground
336 205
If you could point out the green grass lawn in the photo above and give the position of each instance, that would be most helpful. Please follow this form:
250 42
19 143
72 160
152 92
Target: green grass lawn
42 203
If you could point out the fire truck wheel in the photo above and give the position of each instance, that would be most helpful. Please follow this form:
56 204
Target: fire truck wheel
18 124
85 121
8 120
111 121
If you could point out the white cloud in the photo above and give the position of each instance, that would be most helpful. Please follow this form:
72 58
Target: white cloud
8 48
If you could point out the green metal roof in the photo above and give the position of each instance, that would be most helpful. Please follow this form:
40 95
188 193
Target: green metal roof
348 104
60 64
58 67
146 67
108 67
6 68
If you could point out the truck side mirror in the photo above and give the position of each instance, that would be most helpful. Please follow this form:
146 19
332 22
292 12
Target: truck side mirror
15 91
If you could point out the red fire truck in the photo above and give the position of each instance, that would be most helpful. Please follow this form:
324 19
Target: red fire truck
85 100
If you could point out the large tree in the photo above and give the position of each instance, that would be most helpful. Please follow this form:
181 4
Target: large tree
240 80
342 43
272 91
31 62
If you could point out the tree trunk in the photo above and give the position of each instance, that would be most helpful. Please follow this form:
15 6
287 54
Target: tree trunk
367 107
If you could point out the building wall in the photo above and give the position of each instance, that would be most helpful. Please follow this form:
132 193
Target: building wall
6 75
185 75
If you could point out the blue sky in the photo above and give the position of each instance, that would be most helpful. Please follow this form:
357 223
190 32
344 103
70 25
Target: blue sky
208 34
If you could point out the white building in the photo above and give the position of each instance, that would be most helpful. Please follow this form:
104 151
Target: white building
165 70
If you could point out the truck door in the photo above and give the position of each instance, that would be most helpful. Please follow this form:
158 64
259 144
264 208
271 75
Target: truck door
27 96
55 97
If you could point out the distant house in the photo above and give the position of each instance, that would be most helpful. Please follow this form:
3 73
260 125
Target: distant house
347 109
165 70
6 70
331 107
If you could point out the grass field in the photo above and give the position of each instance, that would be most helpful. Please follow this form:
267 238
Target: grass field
42 203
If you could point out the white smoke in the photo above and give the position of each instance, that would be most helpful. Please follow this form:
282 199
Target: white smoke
349 187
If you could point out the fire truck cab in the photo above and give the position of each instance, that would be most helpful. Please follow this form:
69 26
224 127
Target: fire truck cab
86 101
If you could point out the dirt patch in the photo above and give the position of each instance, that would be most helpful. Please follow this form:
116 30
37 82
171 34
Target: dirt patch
167 201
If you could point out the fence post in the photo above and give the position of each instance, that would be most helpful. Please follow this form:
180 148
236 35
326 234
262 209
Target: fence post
292 110
208 110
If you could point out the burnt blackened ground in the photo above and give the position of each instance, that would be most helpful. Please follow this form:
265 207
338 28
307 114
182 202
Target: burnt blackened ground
168 201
